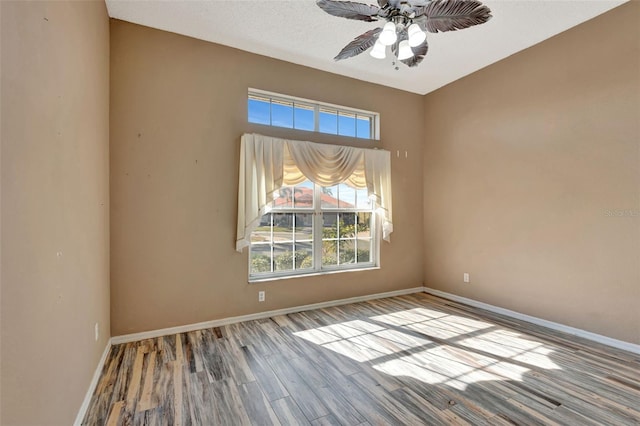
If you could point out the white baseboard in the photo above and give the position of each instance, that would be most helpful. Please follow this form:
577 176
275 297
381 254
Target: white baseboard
92 385
620 344
259 315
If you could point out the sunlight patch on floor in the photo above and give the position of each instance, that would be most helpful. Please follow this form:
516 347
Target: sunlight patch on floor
522 350
434 347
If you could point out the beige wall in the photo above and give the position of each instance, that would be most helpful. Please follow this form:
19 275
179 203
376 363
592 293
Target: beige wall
523 162
55 206
178 109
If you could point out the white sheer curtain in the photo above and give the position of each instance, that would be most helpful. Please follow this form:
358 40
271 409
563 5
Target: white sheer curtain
266 164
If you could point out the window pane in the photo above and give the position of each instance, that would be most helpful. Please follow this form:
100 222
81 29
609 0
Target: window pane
303 117
329 197
347 225
329 225
347 251
347 124
346 196
283 257
364 250
329 253
363 127
258 109
303 195
260 258
282 113
330 239
364 225
304 256
263 232
304 227
282 227
328 121
285 199
362 198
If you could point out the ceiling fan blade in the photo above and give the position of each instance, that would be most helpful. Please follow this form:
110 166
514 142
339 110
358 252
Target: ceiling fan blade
418 3
359 44
419 52
349 9
451 15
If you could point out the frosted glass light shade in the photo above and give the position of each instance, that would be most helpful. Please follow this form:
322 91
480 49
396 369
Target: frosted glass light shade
388 35
416 35
404 50
378 51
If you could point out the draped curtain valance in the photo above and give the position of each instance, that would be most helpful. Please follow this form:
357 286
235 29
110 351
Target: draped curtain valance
267 164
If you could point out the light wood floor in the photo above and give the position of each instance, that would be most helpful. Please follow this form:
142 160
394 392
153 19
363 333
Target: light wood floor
407 360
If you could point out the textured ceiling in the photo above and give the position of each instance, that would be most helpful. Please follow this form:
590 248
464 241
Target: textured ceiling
300 32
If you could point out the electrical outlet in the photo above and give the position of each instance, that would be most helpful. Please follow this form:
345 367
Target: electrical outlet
261 296
466 277
97 331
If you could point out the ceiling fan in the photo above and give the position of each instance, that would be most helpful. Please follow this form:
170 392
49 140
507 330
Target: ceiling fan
407 21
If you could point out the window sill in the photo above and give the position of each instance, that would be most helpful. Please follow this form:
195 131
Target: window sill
311 274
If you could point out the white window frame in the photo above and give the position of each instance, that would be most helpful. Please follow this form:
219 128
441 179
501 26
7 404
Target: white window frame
374 117
318 268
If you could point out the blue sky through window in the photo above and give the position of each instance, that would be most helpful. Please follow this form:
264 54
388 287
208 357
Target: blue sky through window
259 111
363 127
328 123
347 125
282 115
303 118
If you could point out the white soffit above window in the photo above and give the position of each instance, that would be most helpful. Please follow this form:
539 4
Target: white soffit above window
298 31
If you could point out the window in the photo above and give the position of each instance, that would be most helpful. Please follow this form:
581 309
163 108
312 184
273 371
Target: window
293 226
273 109
314 229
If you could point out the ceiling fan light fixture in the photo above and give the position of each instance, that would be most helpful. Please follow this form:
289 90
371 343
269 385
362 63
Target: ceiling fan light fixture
404 50
407 22
388 35
379 50
416 35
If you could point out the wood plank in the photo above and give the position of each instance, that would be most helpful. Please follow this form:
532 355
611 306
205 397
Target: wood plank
300 392
421 408
145 402
229 408
257 405
288 412
136 377
179 353
196 346
213 361
386 403
339 407
329 420
116 409
235 359
177 392
204 410
269 382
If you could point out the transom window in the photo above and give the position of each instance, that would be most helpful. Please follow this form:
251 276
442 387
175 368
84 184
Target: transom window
314 229
278 110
